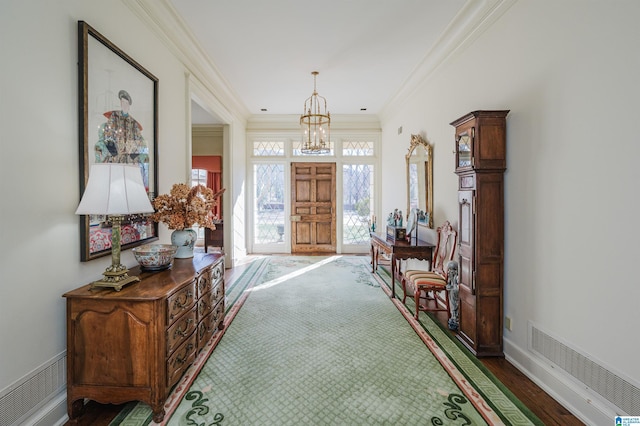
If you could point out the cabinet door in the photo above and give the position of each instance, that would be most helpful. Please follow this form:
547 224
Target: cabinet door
112 345
466 276
466 207
465 147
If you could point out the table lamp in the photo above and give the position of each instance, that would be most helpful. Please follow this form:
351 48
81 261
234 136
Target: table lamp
115 190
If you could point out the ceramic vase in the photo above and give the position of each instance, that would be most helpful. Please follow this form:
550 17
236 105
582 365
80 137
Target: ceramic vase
185 239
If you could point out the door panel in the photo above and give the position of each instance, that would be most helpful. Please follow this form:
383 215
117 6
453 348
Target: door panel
466 208
303 190
466 276
323 235
313 207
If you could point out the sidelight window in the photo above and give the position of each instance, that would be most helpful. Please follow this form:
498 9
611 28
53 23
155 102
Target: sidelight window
268 205
357 202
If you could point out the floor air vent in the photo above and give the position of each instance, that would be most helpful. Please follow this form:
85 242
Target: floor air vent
27 395
610 386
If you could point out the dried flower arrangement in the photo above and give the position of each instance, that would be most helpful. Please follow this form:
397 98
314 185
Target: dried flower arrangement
186 206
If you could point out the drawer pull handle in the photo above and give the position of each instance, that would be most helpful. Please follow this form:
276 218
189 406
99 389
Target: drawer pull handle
204 282
204 307
180 305
180 361
180 332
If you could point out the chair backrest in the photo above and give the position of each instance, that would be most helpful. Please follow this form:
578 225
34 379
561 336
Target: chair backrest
445 247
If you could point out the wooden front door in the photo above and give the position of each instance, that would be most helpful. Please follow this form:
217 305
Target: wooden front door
313 207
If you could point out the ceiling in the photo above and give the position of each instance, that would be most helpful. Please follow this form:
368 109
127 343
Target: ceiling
364 50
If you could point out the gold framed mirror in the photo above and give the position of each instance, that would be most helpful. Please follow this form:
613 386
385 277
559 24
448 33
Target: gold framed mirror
419 161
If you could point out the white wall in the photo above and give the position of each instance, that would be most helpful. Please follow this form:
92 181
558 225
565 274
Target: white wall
207 140
40 250
568 71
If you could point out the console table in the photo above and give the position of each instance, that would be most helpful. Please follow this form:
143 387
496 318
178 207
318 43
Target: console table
135 344
398 250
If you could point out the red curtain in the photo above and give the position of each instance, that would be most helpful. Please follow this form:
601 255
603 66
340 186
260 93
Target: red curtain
213 165
214 181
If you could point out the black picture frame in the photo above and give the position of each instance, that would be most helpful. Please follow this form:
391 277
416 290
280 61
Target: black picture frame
109 81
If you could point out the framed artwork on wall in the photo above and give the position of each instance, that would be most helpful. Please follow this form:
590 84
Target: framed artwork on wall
118 123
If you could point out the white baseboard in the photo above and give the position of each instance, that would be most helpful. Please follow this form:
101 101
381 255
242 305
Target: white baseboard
54 413
582 404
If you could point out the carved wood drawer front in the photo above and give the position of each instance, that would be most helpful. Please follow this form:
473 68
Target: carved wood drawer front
217 317
204 282
205 305
210 325
209 300
218 292
181 329
182 358
181 301
217 273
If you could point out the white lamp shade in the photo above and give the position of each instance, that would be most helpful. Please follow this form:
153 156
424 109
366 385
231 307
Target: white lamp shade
115 189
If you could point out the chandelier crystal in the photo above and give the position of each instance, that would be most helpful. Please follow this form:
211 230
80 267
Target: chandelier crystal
315 123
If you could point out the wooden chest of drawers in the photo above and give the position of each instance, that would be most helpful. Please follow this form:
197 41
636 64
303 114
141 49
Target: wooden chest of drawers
135 344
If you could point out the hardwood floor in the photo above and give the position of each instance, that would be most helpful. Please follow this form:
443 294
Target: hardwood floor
538 401
548 410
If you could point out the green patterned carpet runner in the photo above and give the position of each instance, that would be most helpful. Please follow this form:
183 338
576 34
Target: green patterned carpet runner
319 342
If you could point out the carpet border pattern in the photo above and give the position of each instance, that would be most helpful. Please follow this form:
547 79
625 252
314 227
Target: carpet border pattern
491 398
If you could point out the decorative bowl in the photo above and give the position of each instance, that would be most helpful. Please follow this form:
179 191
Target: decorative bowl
154 257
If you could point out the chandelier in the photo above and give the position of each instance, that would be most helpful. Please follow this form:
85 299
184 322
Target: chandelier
315 123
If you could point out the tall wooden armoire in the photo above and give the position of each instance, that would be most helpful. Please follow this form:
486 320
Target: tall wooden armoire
480 165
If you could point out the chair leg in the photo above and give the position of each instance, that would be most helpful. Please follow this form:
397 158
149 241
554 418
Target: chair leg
434 293
404 290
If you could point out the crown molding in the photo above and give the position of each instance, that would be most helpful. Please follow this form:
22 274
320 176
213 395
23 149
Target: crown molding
207 130
163 20
473 19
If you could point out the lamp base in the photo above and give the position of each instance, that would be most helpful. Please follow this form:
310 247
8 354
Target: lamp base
115 280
